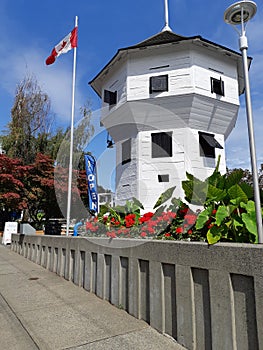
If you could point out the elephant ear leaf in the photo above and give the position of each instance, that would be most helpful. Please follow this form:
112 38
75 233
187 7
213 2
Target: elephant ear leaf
249 218
221 214
195 190
235 192
214 235
137 203
234 178
164 197
203 217
215 194
104 209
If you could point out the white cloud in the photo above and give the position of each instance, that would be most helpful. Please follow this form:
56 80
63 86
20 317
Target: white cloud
55 80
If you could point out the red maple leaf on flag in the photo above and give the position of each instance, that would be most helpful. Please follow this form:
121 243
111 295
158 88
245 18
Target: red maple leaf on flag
64 43
68 43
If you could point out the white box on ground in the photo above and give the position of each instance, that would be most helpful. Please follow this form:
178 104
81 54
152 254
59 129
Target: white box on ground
10 227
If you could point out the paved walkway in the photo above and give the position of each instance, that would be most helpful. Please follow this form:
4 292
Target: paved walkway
40 310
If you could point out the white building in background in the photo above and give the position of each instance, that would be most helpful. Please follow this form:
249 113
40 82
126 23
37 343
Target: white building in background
2 151
106 198
169 103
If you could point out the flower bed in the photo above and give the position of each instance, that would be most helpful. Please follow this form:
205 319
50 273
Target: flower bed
161 225
228 213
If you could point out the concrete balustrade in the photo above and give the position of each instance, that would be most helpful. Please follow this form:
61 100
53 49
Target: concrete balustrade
206 297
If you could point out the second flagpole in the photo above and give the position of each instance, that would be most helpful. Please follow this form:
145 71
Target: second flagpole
71 135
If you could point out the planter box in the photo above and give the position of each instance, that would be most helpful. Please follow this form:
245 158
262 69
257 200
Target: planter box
206 297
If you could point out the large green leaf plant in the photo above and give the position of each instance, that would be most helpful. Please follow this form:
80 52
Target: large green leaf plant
229 210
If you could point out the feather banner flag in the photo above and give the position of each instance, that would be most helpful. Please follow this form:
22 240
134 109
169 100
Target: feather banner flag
69 42
90 164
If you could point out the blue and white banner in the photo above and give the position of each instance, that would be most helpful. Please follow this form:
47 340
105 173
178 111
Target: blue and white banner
90 164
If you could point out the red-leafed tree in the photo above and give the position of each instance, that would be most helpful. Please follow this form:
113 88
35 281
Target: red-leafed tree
12 189
40 191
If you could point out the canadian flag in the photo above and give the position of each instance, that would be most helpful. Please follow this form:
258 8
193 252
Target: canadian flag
69 42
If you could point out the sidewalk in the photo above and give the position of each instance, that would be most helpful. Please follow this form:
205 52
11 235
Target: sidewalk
40 310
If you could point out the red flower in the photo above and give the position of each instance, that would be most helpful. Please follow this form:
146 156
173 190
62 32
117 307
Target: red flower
208 222
179 230
131 216
214 212
190 218
148 215
130 220
169 216
151 223
168 234
189 232
183 210
172 214
150 230
145 217
111 234
143 234
91 227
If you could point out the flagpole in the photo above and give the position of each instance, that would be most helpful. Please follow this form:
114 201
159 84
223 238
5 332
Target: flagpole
71 135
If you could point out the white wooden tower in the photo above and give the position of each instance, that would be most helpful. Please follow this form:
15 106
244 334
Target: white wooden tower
169 103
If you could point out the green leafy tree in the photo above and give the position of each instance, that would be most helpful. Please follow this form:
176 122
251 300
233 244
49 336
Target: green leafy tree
30 122
83 131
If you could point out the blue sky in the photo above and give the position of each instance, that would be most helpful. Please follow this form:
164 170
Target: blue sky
30 29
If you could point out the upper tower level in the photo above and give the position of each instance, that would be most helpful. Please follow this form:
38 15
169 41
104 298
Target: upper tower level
170 70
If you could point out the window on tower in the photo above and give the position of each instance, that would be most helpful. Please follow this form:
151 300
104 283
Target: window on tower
162 144
217 86
208 144
163 178
110 97
159 83
126 151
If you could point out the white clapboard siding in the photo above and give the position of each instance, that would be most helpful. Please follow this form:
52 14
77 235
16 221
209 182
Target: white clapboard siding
149 168
126 174
151 60
115 81
213 61
192 110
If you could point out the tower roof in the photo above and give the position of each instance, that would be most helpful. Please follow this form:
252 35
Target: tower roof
168 37
163 37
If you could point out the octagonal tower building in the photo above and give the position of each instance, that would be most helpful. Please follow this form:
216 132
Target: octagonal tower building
169 103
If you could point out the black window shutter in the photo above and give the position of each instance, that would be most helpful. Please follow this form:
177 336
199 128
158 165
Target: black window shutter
126 151
159 83
162 145
163 178
217 86
110 97
208 144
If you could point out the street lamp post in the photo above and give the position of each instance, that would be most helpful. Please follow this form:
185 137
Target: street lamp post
238 14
